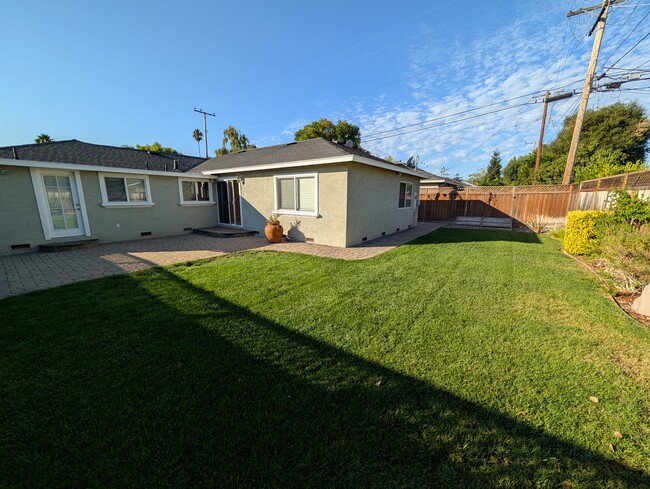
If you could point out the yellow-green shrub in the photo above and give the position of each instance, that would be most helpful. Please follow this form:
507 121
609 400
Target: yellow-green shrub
581 237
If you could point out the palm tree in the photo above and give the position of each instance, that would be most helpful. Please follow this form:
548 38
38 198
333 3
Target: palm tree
43 138
198 136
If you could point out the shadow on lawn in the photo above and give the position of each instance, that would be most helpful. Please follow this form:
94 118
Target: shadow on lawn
463 235
203 392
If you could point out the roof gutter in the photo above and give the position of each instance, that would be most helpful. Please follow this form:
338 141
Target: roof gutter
317 162
96 168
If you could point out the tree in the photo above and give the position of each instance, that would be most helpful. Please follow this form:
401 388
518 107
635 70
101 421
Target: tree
520 169
233 141
154 147
478 177
613 139
342 131
43 138
493 171
198 137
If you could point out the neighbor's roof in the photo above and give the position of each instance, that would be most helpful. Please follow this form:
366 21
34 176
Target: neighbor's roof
436 179
80 153
292 154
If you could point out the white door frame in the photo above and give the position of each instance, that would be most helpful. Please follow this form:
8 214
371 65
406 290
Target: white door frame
44 209
227 180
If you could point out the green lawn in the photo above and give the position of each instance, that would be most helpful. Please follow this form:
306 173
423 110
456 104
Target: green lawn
464 359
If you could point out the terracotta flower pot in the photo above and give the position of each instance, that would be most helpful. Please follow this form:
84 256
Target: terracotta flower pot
273 232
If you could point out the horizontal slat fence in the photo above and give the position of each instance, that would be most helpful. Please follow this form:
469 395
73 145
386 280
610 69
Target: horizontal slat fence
594 194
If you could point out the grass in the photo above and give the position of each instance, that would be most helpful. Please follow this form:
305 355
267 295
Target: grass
464 359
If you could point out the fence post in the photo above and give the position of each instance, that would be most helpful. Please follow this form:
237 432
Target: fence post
512 202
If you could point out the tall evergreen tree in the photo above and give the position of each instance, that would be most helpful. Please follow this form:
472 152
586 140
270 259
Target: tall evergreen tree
493 173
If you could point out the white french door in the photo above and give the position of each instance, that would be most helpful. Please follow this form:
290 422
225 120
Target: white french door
61 211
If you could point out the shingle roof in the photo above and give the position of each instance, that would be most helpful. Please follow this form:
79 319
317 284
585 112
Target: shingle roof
310 149
80 153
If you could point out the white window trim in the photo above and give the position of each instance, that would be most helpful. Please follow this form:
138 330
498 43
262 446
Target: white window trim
293 212
195 202
412 195
106 203
42 204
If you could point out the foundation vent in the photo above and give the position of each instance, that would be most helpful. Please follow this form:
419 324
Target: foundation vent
21 246
145 233
187 229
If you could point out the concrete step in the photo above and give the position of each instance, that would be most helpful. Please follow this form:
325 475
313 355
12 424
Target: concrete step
223 232
68 245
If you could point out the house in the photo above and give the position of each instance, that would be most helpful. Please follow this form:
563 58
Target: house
324 192
433 185
70 190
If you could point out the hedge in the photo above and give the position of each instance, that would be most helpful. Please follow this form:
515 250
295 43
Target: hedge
580 237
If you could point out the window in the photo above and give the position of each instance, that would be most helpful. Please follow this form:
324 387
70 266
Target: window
405 194
124 190
195 192
297 194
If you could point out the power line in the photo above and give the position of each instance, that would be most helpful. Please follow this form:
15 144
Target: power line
629 50
626 38
447 123
372 135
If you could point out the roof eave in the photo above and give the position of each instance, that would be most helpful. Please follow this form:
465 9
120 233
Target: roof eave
96 168
316 162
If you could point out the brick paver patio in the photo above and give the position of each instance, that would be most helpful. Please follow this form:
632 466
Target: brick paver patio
33 271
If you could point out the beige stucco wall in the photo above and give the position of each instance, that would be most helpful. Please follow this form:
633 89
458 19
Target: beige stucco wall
258 202
20 220
373 196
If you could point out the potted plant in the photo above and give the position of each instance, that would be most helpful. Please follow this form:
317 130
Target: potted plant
273 229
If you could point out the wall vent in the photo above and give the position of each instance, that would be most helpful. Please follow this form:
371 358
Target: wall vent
145 233
21 246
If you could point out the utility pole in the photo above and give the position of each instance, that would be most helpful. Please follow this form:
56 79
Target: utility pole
547 99
599 26
205 128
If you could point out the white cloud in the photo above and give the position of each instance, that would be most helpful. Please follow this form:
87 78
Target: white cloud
520 58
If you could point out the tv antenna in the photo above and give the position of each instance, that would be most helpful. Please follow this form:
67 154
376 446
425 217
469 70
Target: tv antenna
412 162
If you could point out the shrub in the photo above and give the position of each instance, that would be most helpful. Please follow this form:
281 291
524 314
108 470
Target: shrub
625 253
581 235
629 208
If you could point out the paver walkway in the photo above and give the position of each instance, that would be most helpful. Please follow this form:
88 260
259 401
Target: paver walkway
33 271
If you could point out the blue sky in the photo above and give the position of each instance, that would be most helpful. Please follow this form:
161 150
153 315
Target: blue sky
131 72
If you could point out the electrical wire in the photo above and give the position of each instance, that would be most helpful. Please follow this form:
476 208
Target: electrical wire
626 38
629 50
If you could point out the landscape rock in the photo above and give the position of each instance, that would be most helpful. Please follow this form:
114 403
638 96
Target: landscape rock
642 303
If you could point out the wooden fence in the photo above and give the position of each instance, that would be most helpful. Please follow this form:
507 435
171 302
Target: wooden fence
594 194
547 203
542 203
